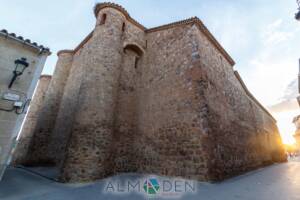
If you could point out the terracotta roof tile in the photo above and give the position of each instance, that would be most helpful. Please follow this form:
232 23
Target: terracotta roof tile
24 41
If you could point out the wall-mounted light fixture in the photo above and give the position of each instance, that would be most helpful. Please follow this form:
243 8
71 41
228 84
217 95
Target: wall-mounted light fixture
297 15
21 65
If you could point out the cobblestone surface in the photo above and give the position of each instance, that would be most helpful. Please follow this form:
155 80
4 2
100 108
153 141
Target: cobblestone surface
277 182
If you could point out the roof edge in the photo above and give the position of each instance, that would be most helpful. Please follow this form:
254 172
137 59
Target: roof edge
65 51
118 7
84 41
237 75
170 25
191 20
46 76
79 46
27 42
202 28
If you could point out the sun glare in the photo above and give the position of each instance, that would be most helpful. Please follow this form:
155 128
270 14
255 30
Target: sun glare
286 126
287 130
288 139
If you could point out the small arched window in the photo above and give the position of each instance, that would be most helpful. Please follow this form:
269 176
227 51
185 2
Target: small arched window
103 19
123 26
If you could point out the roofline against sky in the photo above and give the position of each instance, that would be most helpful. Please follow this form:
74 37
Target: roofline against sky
192 20
41 49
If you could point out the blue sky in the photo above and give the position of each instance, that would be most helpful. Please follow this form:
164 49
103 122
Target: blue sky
260 35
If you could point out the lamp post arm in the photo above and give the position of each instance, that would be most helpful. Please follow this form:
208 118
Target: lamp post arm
12 80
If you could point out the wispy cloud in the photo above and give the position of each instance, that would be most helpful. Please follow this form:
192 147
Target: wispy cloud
291 91
284 106
288 101
276 33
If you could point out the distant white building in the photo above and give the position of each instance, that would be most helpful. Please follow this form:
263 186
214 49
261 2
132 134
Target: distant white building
21 64
296 119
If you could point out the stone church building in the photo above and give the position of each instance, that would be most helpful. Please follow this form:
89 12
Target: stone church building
164 100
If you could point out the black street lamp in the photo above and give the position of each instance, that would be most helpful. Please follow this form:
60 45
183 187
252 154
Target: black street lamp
21 65
297 15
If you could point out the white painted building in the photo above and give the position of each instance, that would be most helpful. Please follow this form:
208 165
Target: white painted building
16 87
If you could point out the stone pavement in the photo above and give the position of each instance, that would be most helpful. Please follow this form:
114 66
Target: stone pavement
277 182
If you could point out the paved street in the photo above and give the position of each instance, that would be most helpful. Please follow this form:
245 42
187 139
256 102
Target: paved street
277 182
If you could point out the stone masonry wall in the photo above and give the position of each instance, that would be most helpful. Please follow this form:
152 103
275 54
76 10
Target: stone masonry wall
125 126
90 148
170 128
236 124
38 149
134 35
31 120
64 122
163 100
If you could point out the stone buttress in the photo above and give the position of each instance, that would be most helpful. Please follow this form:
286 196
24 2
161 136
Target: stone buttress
89 154
38 149
26 135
